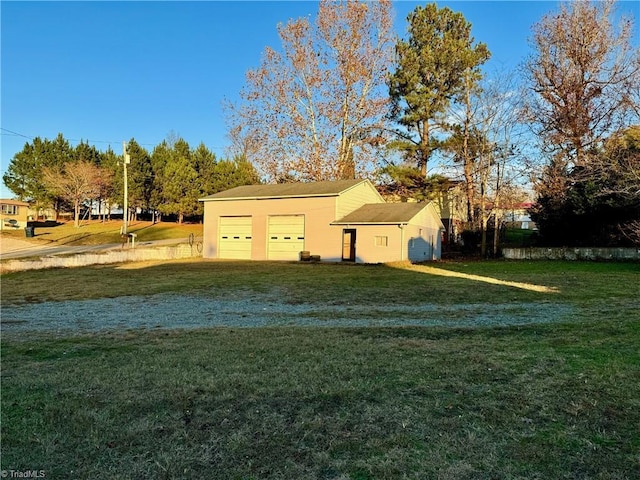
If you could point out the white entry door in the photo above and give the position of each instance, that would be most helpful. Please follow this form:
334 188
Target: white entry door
234 240
285 237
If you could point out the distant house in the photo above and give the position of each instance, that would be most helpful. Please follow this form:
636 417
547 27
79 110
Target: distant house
345 220
452 207
518 216
13 214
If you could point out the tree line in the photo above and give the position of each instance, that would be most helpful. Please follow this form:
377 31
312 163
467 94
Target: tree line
344 97
169 180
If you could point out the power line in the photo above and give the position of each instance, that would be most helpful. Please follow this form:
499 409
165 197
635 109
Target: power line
16 134
88 140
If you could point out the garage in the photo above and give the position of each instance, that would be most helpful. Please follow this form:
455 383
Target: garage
285 237
235 238
321 218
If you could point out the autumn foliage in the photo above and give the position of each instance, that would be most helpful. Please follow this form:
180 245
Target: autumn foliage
315 109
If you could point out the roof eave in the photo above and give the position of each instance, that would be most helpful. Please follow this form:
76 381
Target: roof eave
271 197
215 198
402 222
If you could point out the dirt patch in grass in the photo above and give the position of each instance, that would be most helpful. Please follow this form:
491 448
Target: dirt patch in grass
170 311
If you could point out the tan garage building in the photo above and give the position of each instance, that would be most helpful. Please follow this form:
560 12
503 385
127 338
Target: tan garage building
345 220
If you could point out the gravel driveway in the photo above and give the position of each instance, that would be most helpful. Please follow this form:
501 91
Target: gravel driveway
171 311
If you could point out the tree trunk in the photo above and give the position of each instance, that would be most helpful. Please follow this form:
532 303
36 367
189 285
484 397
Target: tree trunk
470 191
483 242
424 149
76 219
496 233
466 155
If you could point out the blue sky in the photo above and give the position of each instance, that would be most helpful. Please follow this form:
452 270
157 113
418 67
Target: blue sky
109 71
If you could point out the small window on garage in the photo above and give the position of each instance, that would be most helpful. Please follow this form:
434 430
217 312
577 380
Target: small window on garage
381 241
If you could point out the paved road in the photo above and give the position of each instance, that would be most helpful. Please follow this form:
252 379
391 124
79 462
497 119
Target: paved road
11 248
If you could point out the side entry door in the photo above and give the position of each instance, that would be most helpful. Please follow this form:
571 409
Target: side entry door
349 245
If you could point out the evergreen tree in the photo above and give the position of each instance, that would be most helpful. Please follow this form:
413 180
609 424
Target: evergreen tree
24 175
111 187
234 173
140 173
434 65
205 163
596 204
86 153
180 185
160 157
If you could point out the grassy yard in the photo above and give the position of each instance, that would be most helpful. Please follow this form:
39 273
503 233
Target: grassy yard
97 232
540 401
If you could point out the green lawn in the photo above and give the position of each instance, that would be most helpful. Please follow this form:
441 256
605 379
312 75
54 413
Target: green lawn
541 401
97 232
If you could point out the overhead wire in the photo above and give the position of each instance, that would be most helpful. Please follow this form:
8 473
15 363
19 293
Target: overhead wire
87 140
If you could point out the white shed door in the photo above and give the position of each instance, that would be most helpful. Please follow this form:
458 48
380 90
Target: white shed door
285 237
235 238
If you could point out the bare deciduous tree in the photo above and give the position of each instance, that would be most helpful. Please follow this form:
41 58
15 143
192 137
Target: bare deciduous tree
75 182
313 110
584 75
486 145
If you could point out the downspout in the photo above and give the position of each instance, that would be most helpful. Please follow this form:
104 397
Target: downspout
401 227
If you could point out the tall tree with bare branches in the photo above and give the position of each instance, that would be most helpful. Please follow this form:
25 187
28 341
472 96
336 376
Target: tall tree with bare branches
313 110
583 76
584 79
76 182
486 143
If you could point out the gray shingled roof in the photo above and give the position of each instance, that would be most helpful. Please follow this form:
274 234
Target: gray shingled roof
283 190
383 213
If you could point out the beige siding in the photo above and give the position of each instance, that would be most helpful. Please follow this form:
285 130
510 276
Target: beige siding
356 197
319 237
423 236
366 249
417 241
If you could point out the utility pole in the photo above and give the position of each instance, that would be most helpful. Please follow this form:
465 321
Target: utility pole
126 159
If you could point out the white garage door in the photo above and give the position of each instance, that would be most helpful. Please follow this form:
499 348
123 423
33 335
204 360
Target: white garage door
235 238
285 237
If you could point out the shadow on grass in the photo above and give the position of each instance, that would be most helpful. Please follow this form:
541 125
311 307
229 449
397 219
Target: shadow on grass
428 270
